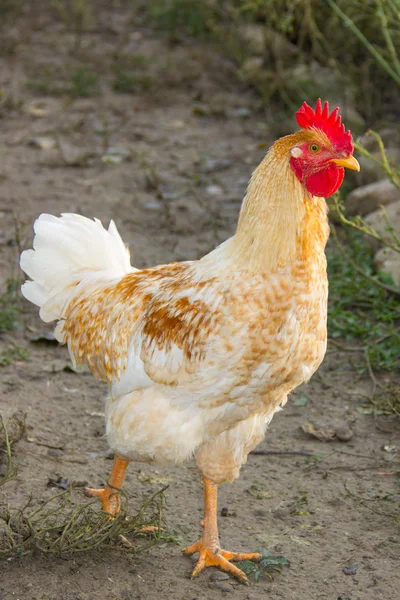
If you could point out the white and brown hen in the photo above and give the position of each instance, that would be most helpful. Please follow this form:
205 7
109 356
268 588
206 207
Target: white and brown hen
199 355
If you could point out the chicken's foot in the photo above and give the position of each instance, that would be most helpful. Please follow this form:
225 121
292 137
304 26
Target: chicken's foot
208 547
110 495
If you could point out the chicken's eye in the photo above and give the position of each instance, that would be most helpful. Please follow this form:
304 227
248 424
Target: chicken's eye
314 148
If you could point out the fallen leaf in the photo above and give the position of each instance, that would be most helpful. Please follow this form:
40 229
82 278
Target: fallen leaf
390 448
152 478
94 413
150 529
325 434
200 111
58 481
299 541
43 143
35 110
112 159
301 400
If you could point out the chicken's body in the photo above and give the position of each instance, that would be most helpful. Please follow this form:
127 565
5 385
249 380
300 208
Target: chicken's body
198 355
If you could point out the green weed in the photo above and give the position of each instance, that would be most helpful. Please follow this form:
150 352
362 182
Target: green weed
62 526
78 83
268 565
127 82
84 83
360 310
300 34
10 8
189 17
76 15
9 310
12 354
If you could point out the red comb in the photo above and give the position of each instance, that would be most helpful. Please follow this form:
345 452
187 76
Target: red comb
330 124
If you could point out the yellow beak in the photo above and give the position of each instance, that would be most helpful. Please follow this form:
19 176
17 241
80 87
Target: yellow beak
350 163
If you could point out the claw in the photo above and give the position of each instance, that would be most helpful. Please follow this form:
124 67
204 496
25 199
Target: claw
110 500
110 495
216 557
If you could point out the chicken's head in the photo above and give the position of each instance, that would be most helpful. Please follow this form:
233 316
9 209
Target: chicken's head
319 158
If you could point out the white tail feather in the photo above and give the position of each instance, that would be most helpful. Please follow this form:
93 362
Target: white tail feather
70 251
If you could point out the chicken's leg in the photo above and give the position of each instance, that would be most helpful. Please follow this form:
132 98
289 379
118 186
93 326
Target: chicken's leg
110 498
208 547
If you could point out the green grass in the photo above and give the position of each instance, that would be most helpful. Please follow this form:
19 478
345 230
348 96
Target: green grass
360 311
176 17
329 33
9 311
78 83
13 354
129 82
10 8
84 83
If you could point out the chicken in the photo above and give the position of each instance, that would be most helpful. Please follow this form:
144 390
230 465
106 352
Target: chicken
199 355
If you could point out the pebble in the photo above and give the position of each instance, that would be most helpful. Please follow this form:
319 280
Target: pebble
44 143
344 433
214 190
55 452
222 587
219 576
350 569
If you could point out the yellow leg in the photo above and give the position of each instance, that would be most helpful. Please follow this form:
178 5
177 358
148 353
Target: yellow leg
110 498
208 547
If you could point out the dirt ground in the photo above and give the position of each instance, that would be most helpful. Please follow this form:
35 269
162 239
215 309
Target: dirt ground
184 153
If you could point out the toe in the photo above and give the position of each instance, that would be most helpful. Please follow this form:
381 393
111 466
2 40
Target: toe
196 547
91 492
228 567
239 556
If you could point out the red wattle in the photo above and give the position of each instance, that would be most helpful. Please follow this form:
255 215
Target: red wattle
324 183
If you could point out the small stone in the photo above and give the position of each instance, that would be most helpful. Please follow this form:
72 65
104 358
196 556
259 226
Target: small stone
153 205
350 569
379 222
251 67
56 452
367 198
388 260
344 433
211 165
242 113
3 470
336 502
222 587
214 190
79 483
177 124
218 576
44 143
253 35
85 106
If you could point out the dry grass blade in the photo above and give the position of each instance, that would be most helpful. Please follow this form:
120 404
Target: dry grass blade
9 469
61 526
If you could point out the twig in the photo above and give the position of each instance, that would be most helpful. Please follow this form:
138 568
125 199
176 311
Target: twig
353 27
281 452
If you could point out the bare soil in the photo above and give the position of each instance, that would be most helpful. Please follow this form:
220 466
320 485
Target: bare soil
186 150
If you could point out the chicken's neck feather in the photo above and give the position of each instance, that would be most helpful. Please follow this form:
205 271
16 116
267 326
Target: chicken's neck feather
279 220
